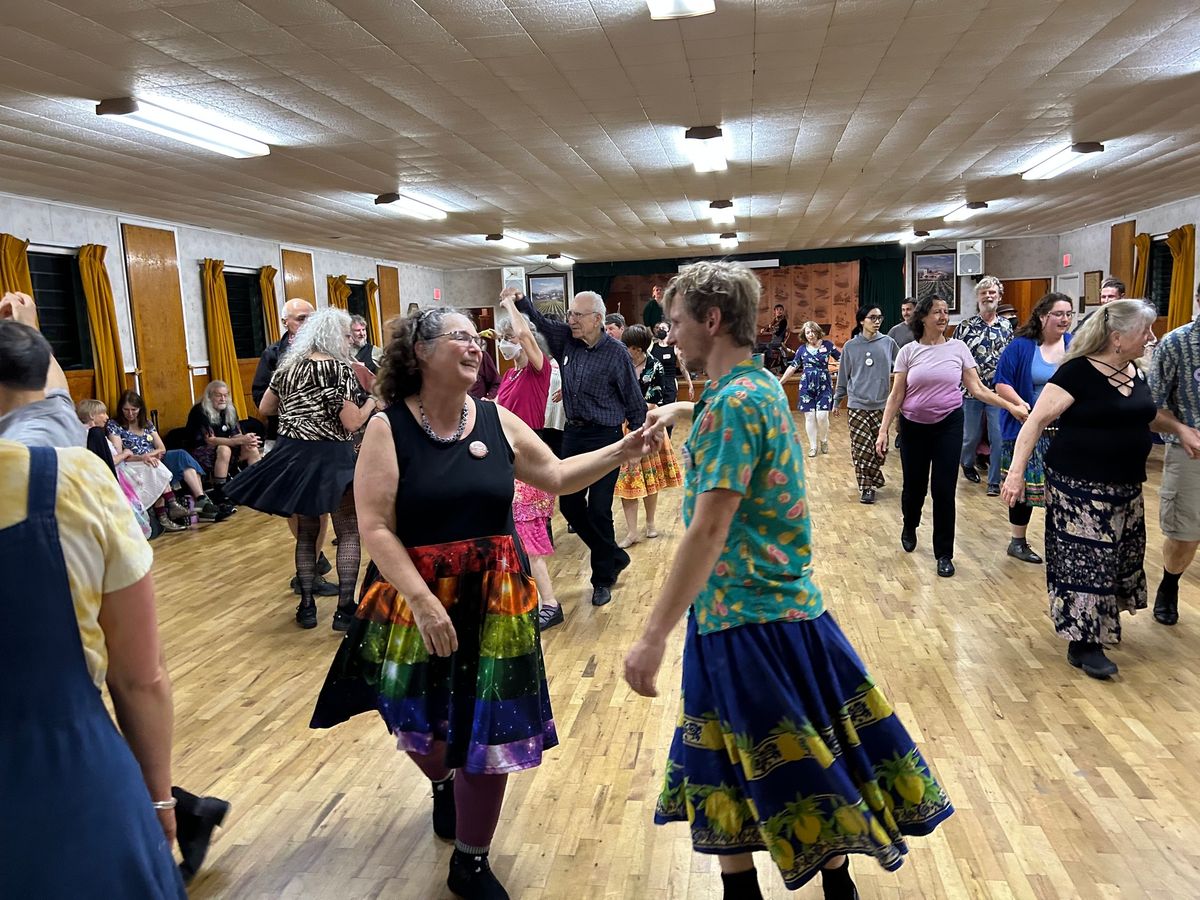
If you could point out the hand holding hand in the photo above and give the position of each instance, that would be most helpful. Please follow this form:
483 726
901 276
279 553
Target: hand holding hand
1020 411
509 296
433 622
836 412
638 443
642 665
1189 440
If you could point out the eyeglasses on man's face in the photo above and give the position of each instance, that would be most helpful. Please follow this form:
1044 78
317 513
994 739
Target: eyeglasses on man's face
462 337
572 314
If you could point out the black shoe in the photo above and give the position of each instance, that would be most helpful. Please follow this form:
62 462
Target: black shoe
320 587
343 616
195 819
445 817
472 878
601 595
945 567
1166 606
570 528
224 511
867 496
993 490
908 539
971 475
1090 658
836 884
306 614
548 617
622 565
1018 548
324 566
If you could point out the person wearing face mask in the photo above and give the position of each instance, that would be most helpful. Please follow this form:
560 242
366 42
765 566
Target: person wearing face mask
673 365
986 335
864 377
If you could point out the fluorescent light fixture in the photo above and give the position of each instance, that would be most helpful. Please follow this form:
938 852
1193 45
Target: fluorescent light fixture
680 9
965 211
407 206
705 146
721 212
912 236
511 243
180 127
1062 159
728 240
560 262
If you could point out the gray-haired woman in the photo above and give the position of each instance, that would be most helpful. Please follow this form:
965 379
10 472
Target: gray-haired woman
1095 466
320 405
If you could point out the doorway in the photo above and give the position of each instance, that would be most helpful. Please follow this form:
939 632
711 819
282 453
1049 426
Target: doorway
1023 294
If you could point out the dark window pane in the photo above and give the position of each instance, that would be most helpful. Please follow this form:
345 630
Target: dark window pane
1158 280
357 301
62 308
246 314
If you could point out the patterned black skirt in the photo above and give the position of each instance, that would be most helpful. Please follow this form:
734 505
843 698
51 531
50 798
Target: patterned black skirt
297 478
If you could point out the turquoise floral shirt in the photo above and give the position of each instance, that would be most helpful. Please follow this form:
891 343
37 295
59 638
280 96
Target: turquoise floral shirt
743 439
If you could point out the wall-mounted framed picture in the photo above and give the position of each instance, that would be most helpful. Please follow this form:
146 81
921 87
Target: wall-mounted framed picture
1091 289
934 275
548 292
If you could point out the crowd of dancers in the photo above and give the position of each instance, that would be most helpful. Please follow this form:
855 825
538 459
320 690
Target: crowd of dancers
784 744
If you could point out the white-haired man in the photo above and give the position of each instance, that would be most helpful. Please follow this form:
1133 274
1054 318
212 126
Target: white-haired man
600 392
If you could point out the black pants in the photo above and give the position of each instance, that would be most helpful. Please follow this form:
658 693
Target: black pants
929 453
589 511
552 438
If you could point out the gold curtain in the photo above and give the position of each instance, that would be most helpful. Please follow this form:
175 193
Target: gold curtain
339 291
222 356
1182 243
1141 266
102 322
374 332
266 287
14 266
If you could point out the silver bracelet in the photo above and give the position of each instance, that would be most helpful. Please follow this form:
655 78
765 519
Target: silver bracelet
165 804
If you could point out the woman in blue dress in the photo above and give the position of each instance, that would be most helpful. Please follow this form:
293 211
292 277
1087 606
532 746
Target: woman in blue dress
816 385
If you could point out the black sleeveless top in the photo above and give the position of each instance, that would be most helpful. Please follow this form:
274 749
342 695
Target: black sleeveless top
445 492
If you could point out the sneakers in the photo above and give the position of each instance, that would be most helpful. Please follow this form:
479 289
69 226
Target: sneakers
812 451
168 524
343 616
993 490
178 512
1166 605
824 447
207 510
549 616
445 818
320 587
472 878
306 614
1018 548
1090 657
867 496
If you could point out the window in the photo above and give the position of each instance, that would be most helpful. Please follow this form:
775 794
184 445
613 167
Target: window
246 314
1158 279
62 308
356 303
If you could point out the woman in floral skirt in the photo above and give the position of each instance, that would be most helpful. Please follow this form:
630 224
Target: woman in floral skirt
784 743
815 395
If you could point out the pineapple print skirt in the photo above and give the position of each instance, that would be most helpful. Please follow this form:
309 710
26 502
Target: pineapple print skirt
785 744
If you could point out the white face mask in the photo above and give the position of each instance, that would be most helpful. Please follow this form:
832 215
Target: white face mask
509 349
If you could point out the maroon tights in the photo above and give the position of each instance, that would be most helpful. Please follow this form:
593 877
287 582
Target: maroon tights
477 798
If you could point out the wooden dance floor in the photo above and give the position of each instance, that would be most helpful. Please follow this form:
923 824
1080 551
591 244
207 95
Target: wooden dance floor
1065 787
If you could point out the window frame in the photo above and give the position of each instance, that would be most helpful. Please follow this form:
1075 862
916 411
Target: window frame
241 319
78 356
1160 266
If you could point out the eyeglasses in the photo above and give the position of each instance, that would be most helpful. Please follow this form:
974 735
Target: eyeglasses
571 314
1062 315
874 318
462 337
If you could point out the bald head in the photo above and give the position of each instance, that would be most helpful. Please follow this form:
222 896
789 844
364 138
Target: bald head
295 314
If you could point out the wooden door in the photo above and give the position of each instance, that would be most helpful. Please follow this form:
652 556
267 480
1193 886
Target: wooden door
1024 293
298 282
389 297
152 270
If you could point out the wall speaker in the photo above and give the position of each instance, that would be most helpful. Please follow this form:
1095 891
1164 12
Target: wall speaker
970 257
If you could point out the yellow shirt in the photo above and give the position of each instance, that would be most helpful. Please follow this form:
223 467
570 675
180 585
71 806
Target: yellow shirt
102 544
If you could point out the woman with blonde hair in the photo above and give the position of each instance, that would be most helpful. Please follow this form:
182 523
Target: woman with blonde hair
309 473
1095 467
816 386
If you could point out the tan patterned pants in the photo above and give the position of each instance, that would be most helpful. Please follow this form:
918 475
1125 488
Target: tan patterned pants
864 430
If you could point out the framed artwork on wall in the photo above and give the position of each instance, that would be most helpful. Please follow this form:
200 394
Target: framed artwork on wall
548 292
1091 289
934 275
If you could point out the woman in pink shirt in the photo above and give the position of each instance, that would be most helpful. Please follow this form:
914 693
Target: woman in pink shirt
926 394
524 390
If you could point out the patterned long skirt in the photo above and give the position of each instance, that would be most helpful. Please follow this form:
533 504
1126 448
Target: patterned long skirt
652 473
488 700
1035 469
864 430
785 744
1095 547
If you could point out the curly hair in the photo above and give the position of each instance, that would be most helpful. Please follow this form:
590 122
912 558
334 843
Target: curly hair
399 370
1033 326
729 286
923 308
326 331
990 281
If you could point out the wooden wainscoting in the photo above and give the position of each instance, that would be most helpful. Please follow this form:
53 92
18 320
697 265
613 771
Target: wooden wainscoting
81 383
246 406
298 282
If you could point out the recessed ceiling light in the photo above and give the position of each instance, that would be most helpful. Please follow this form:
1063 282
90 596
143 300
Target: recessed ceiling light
705 146
965 211
511 243
721 212
407 206
1061 160
728 240
680 9
181 127
560 262
912 236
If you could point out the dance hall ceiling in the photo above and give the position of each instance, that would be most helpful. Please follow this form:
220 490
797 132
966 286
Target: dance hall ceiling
561 122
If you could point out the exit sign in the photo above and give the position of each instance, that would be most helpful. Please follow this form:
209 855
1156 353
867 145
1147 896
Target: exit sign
437 293
1066 260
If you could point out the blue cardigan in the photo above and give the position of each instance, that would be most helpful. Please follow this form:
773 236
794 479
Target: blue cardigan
1015 369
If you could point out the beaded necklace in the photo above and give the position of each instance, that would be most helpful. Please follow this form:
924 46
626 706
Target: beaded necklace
428 427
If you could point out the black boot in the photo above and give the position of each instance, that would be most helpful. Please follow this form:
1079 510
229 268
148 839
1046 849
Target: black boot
1090 657
837 884
741 885
195 819
445 816
472 878
306 612
1166 605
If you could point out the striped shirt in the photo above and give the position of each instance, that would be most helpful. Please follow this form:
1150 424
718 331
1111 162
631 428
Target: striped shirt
1175 376
311 395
